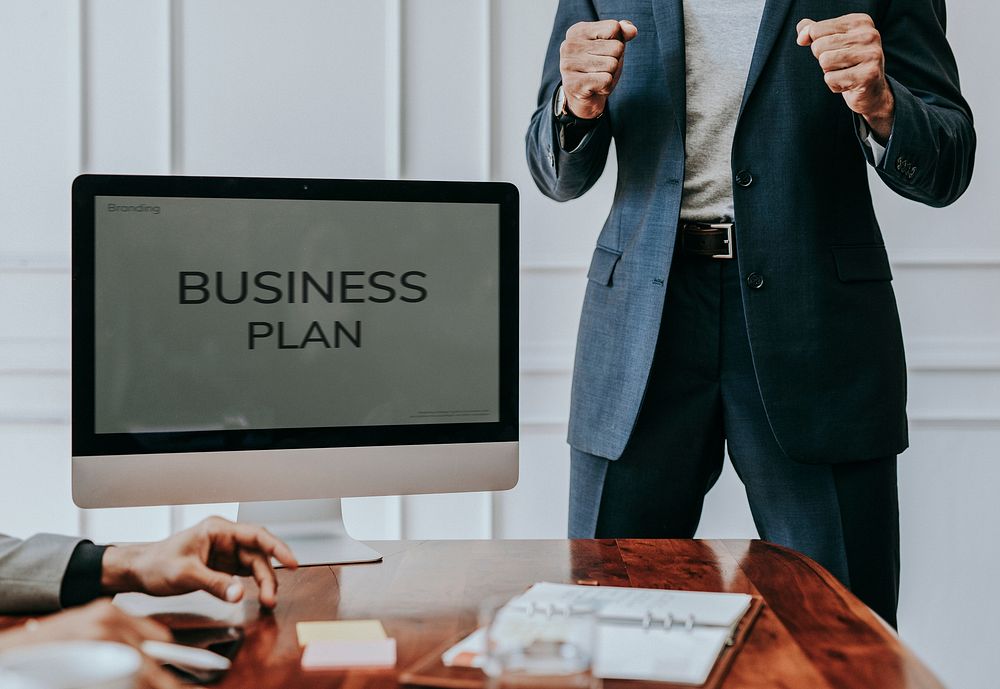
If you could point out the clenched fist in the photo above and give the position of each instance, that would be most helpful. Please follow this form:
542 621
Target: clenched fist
849 49
590 60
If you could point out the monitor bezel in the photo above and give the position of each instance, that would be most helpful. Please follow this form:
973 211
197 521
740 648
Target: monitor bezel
86 442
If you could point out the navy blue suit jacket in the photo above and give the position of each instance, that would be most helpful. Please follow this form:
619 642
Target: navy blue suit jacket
823 327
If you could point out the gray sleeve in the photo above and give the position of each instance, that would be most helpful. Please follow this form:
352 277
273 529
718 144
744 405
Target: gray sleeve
31 571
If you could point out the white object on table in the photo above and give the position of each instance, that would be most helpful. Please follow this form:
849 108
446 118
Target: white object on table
643 634
197 603
75 664
185 656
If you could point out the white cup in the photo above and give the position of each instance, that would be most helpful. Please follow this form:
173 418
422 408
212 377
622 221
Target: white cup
74 665
528 648
8 680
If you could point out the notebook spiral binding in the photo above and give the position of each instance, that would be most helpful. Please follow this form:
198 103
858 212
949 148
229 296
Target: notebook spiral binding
648 621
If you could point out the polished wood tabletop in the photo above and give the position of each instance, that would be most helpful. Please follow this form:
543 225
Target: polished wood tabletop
811 634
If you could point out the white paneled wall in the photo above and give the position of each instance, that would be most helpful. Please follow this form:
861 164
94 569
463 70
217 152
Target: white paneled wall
443 89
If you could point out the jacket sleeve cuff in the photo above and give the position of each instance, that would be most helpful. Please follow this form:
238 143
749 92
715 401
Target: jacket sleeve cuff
82 581
902 160
874 151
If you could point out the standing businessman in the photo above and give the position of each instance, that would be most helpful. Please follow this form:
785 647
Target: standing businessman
740 289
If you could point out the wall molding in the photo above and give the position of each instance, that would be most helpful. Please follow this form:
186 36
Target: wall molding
83 92
54 262
43 419
923 354
393 128
175 86
486 92
952 354
59 262
950 421
554 268
943 420
51 355
43 356
921 259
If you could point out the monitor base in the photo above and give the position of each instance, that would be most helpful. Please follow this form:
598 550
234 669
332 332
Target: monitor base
313 529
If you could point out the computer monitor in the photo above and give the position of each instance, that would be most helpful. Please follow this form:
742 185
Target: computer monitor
284 343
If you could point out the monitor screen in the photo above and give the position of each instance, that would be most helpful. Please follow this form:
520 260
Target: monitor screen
232 314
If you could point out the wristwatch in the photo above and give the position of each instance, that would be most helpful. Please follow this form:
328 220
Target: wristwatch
563 115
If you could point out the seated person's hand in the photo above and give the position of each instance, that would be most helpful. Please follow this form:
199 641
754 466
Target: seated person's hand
98 621
204 557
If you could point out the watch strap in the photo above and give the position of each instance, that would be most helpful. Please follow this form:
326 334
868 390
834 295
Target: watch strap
563 115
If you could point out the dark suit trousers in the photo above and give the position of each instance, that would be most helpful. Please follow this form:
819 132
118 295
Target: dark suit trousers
702 396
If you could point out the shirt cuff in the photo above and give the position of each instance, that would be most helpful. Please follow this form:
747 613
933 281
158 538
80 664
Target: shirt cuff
878 150
572 137
82 581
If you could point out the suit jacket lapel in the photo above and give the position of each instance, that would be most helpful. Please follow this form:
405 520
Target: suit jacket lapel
772 28
669 17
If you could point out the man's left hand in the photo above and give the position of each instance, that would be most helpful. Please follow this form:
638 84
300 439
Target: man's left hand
204 557
849 49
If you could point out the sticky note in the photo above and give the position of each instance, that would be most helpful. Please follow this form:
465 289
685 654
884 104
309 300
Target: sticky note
335 655
340 630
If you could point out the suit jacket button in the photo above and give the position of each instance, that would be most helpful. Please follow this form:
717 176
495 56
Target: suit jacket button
755 280
744 178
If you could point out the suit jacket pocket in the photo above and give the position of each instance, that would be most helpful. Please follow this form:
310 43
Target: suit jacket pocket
859 263
602 265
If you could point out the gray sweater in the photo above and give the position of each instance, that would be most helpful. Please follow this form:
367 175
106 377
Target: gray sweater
32 571
719 38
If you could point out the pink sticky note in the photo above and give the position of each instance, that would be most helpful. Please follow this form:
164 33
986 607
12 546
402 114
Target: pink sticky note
335 655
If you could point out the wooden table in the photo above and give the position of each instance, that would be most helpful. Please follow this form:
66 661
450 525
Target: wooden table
812 633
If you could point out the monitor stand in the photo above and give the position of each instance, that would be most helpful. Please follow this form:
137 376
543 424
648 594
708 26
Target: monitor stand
313 529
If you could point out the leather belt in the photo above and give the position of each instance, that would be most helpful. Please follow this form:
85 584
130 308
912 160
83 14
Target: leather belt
707 239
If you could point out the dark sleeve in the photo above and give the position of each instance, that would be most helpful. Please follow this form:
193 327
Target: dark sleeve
930 156
559 174
82 581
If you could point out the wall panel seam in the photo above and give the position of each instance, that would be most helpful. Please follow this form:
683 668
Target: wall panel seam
57 262
393 80
175 86
490 516
84 95
393 89
60 262
175 151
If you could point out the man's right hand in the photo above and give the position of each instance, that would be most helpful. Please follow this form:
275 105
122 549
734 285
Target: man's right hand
98 621
590 60
205 556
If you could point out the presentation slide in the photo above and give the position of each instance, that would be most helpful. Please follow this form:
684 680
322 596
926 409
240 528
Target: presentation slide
218 314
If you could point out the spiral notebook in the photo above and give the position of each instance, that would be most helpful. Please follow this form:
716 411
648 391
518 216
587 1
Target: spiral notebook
643 607
643 634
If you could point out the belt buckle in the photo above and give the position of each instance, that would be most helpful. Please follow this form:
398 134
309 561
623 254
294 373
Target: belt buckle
728 227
